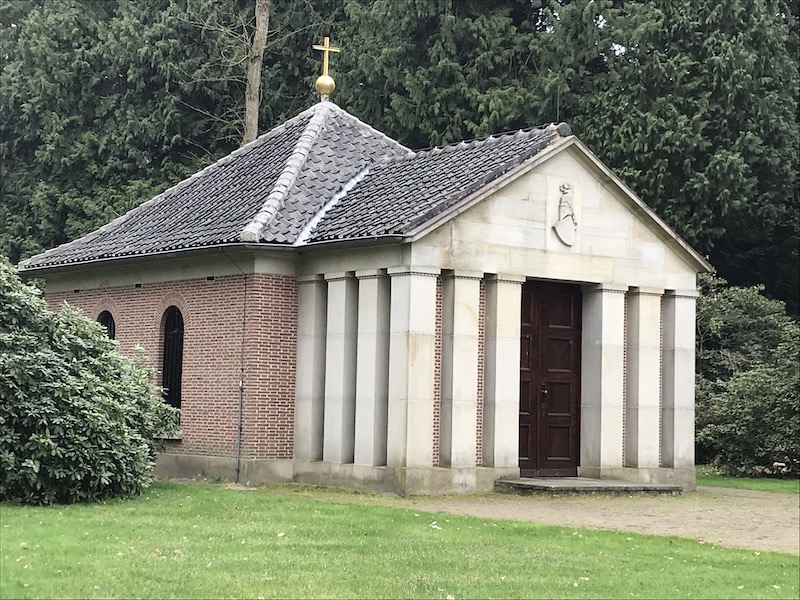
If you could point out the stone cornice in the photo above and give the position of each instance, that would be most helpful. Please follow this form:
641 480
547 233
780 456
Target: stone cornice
418 271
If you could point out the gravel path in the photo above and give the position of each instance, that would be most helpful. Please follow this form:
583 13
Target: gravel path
721 516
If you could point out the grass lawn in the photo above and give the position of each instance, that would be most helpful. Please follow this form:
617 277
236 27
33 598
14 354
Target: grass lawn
198 540
706 476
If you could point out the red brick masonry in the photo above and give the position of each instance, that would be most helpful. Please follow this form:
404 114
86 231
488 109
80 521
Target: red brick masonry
216 355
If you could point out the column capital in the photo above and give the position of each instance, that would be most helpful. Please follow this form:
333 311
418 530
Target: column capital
688 294
309 279
409 270
608 288
647 291
505 278
370 273
339 276
459 274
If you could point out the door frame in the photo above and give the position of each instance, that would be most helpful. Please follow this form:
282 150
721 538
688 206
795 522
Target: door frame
576 291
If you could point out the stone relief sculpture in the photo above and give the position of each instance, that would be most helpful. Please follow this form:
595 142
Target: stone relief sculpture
566 226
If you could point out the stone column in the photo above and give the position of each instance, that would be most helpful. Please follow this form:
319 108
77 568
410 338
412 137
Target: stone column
372 372
501 371
310 378
677 406
461 296
602 368
412 337
642 398
340 368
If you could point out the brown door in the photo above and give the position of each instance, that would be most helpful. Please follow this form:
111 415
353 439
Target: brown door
549 403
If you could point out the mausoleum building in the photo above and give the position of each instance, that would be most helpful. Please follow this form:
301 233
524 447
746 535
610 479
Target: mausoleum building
327 306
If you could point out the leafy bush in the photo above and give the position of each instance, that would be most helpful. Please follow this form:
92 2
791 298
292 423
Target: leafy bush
77 419
748 388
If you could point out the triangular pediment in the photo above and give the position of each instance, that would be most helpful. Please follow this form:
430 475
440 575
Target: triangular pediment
563 211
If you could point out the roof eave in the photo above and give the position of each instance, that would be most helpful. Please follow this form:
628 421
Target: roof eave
162 255
353 242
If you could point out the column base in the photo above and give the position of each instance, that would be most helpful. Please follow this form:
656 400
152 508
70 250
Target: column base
403 481
683 476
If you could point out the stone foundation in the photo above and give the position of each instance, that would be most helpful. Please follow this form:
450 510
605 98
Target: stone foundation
404 481
684 477
252 471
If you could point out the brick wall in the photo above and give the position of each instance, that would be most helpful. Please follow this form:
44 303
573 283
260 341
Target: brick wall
235 327
437 373
481 359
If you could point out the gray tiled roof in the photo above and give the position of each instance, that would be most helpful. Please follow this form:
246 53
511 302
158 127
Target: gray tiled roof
397 195
322 176
296 166
328 168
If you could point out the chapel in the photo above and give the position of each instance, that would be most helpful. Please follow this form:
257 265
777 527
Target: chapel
327 306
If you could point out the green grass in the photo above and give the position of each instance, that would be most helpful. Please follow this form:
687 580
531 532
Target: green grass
201 540
706 476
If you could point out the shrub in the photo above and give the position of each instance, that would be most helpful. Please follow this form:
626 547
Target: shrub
751 427
77 418
748 385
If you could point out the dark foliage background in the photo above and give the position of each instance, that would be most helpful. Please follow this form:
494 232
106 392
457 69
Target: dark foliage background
694 103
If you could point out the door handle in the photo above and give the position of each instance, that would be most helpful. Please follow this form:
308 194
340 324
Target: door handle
543 394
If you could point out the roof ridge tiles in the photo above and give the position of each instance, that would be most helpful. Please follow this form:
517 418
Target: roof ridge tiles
392 142
286 180
488 140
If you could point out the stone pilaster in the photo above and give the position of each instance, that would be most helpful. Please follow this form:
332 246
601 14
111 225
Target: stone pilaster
459 409
340 368
602 370
412 335
642 398
677 406
501 371
372 372
310 379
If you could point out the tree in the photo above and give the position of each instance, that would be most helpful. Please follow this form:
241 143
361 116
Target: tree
698 114
437 71
693 103
77 419
748 387
105 104
252 95
750 427
94 116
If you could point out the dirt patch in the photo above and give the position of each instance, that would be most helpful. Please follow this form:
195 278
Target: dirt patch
721 516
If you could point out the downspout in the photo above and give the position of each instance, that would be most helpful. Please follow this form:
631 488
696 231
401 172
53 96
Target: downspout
240 415
239 432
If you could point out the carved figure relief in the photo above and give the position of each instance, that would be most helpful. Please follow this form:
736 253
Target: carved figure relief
566 227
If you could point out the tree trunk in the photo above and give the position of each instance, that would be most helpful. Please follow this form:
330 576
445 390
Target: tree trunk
252 92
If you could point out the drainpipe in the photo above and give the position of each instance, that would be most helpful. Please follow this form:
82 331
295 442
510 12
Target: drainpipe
241 370
241 378
239 432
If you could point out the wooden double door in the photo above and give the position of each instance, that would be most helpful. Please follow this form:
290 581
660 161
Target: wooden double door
549 404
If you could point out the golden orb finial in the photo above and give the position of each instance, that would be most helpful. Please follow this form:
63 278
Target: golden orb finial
325 83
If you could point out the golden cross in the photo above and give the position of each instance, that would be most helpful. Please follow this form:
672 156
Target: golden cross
326 49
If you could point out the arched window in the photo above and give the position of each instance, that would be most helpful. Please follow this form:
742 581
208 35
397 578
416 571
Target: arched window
172 365
106 319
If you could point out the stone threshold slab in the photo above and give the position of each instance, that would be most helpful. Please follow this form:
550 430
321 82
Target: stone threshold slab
581 485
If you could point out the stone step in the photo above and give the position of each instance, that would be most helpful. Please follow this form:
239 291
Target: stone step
581 485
